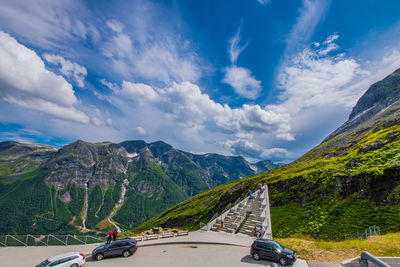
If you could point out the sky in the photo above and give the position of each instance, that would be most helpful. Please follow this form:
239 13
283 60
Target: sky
264 79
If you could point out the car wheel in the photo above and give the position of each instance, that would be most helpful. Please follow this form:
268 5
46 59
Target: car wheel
99 256
75 265
126 253
256 256
283 261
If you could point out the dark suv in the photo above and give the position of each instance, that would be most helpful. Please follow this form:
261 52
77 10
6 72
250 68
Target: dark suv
124 247
272 250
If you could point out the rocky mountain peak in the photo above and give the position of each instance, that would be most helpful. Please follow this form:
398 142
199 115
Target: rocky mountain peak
379 96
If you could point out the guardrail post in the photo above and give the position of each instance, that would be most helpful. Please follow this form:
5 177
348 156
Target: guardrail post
5 241
365 256
66 240
26 241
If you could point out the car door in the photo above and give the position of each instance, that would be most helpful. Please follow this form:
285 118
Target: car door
114 249
261 248
270 252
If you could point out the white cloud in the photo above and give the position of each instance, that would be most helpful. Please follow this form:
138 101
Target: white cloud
140 130
242 80
24 81
112 86
311 13
235 49
68 68
317 79
47 23
252 150
159 58
185 104
264 2
115 25
138 91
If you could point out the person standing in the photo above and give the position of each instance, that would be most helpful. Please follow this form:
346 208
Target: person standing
250 194
110 234
115 233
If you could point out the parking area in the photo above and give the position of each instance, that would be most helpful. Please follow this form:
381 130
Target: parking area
178 255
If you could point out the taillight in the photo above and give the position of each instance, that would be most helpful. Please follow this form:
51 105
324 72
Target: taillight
251 247
134 245
83 256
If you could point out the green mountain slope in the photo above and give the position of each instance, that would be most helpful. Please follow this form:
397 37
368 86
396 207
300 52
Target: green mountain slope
95 186
347 183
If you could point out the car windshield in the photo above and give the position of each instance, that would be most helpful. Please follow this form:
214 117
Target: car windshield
43 263
278 246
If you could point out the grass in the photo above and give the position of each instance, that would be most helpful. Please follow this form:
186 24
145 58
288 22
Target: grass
387 245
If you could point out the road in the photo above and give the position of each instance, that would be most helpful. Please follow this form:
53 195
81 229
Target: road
178 255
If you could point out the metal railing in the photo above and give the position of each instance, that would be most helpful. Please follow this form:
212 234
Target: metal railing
370 231
365 257
47 240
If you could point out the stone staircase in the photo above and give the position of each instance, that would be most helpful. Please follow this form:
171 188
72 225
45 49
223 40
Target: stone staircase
255 216
249 211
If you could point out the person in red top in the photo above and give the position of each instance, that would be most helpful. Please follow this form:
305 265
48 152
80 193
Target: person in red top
115 235
110 234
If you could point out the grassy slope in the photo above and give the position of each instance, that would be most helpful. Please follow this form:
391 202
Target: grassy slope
327 251
317 194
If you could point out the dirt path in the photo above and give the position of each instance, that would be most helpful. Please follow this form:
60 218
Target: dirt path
117 206
85 209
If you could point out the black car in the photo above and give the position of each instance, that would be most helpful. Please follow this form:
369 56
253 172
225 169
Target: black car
124 247
272 250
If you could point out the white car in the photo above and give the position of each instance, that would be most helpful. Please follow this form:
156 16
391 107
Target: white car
70 259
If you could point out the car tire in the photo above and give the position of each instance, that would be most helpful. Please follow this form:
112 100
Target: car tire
283 261
75 265
126 253
256 256
99 256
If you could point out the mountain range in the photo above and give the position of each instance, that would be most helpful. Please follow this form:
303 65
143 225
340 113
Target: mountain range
339 188
96 186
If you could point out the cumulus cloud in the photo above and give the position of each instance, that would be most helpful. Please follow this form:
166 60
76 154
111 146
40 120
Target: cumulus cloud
69 69
138 91
26 82
252 150
318 78
185 104
241 79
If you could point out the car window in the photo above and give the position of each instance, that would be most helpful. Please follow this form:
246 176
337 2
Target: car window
115 245
277 246
43 263
270 247
261 245
54 263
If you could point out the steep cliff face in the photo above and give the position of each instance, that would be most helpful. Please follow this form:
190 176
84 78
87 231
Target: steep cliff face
379 97
17 158
82 164
346 184
89 186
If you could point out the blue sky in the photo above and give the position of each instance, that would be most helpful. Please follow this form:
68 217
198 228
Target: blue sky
265 79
